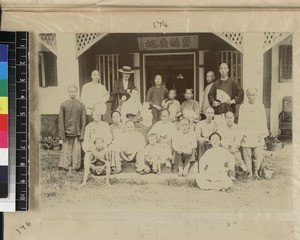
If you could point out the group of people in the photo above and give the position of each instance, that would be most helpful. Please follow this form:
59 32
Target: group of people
163 135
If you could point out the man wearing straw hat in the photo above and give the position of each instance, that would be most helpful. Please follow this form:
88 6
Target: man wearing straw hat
122 87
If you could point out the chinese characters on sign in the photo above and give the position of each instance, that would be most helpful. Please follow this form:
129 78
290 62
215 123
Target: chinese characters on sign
168 43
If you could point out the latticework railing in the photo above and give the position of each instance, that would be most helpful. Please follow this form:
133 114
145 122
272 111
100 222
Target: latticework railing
86 40
49 41
273 38
235 39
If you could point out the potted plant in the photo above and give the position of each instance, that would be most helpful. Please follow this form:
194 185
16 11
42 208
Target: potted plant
273 144
50 143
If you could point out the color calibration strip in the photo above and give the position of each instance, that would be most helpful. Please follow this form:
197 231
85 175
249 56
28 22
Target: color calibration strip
4 133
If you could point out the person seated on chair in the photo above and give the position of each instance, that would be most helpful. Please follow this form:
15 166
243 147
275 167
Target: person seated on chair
127 147
132 108
204 129
184 144
231 140
164 127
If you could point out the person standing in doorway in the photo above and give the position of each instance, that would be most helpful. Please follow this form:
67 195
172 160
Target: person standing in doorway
93 93
155 96
210 77
224 94
122 88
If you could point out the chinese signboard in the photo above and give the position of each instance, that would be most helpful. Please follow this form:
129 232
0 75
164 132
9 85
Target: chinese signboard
168 43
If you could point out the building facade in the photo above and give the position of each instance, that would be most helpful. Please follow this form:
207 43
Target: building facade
262 60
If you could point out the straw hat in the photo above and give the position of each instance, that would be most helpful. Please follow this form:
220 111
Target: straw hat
126 69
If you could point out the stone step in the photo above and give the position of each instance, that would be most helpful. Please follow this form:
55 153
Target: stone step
130 167
151 178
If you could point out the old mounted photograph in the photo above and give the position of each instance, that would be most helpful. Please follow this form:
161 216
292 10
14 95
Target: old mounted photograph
165 122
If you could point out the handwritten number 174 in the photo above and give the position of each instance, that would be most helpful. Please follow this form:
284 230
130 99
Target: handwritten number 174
160 24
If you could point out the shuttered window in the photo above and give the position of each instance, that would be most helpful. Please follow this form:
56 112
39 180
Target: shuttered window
47 69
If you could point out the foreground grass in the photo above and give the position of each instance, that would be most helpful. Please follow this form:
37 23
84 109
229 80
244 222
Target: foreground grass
167 192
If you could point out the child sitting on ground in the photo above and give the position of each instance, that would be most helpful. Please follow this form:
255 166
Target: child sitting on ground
184 144
96 161
172 105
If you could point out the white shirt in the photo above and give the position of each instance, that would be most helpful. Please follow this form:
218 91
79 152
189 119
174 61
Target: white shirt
231 136
125 84
130 107
93 93
184 142
253 124
94 131
163 129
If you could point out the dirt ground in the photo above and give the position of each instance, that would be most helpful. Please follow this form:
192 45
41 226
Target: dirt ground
131 192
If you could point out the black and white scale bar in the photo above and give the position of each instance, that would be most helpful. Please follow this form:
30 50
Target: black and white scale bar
21 64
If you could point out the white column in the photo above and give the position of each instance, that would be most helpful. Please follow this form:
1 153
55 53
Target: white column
201 76
67 63
253 62
137 71
275 102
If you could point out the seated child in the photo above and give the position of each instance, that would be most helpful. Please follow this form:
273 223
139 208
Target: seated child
157 153
151 154
96 161
184 144
215 167
172 105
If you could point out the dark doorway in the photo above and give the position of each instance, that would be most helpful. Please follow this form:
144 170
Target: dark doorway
170 67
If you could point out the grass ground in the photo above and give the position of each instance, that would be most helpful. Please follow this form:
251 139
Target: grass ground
163 193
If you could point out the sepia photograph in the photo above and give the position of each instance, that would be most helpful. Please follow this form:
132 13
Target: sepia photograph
165 122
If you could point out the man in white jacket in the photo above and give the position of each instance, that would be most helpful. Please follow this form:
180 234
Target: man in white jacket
92 93
253 126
